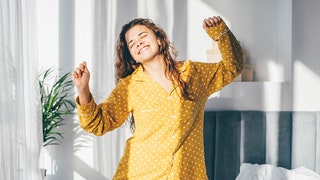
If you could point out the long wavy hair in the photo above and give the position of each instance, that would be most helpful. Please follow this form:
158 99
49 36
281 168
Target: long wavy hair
125 64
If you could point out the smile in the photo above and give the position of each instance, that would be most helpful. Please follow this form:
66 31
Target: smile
144 48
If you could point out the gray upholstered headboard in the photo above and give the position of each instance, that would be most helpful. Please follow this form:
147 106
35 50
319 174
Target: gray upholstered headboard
284 139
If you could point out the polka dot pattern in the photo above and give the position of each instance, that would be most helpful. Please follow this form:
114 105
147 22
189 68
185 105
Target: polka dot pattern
168 139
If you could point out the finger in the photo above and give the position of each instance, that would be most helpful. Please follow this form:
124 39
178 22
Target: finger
82 66
206 24
85 66
212 22
74 75
77 72
219 19
215 21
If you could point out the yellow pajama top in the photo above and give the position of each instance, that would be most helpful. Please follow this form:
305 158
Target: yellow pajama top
168 139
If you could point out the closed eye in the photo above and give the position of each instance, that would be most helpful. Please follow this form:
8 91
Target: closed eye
131 45
140 36
144 35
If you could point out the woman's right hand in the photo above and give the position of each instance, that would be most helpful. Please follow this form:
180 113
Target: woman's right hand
81 77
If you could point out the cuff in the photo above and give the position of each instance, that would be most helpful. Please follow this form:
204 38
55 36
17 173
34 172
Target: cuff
87 109
217 31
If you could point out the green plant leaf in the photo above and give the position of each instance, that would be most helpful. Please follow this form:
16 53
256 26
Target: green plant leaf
56 103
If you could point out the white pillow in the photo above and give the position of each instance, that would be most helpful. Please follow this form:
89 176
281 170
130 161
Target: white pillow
270 172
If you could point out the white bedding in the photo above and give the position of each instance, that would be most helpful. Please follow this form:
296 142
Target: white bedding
270 172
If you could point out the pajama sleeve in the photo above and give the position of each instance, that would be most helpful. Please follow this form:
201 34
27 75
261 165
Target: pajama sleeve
217 75
101 118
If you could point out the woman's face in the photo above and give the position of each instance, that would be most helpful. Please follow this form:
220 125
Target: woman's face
142 44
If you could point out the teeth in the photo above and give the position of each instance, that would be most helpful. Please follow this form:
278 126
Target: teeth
142 49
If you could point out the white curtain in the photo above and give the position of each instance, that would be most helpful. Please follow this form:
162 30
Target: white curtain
20 122
109 148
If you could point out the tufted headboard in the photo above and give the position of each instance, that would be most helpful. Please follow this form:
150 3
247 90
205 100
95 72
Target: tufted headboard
284 139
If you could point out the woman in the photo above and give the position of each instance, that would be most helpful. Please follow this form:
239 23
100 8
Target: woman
164 99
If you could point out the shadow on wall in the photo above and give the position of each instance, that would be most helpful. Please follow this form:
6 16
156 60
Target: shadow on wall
75 142
86 171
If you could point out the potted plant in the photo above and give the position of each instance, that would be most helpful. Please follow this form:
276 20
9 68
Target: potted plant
56 102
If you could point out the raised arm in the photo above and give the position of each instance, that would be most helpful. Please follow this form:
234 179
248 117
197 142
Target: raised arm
99 118
218 75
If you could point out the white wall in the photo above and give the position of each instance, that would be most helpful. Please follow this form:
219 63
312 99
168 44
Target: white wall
306 55
280 37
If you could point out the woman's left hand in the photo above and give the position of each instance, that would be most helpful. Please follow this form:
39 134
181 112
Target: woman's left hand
211 22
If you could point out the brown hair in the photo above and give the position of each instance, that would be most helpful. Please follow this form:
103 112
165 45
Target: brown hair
125 64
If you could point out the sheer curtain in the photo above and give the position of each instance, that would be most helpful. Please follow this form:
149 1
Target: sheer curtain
108 148
20 125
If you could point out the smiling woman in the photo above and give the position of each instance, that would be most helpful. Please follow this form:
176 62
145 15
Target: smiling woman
163 97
